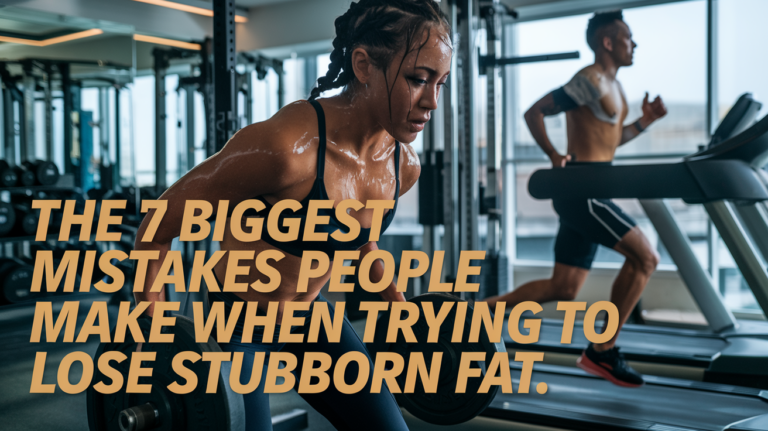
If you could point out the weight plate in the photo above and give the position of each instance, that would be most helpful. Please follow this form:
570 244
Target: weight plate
197 410
7 218
445 407
46 172
8 177
26 177
16 279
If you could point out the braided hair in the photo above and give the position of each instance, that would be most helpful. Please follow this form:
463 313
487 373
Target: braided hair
383 27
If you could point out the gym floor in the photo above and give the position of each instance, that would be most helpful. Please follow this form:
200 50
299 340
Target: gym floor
22 410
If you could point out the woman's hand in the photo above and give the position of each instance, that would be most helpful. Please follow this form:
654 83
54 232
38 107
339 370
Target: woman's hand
377 273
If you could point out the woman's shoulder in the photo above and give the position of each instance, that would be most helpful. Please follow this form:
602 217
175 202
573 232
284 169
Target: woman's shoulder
287 134
292 121
410 167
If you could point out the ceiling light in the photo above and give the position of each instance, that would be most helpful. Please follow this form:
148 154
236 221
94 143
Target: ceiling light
53 40
167 42
188 8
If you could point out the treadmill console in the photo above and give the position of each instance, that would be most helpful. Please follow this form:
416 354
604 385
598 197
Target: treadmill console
741 116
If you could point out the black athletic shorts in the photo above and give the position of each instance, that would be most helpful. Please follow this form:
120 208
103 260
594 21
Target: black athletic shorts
583 225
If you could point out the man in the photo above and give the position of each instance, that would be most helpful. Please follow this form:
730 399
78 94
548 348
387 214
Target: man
595 109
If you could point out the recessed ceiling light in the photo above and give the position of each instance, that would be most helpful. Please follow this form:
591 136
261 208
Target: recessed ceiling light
53 40
167 42
188 8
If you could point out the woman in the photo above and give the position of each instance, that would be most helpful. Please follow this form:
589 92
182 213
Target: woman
392 57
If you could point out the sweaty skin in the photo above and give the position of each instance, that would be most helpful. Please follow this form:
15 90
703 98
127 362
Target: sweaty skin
277 159
589 138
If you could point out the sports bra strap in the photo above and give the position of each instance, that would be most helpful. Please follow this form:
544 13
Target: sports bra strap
321 132
397 163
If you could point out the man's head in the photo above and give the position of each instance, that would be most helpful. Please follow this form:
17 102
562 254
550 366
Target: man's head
608 33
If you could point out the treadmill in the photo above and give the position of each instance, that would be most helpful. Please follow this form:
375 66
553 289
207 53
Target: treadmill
721 176
726 177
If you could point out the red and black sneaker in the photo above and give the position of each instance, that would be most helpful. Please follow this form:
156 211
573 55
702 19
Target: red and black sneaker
611 366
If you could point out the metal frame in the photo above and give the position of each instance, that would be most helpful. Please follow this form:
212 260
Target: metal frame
755 219
106 166
742 249
27 148
188 160
48 99
560 9
224 74
160 68
697 280
469 187
451 242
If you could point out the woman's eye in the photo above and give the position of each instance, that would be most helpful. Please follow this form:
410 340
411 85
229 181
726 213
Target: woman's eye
418 81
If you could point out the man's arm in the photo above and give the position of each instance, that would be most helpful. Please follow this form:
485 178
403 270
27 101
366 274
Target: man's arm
652 111
551 104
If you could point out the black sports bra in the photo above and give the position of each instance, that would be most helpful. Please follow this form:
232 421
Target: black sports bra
318 192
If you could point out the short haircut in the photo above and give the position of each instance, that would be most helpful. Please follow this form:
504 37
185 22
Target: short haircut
598 24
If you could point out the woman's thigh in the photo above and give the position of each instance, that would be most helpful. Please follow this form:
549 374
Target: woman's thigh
255 403
361 410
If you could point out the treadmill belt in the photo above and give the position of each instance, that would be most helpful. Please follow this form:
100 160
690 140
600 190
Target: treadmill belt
640 343
576 400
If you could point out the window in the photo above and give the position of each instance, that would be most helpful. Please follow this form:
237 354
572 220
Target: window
660 68
740 65
143 103
741 59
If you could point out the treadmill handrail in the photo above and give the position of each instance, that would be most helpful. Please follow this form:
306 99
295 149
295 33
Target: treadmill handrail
695 182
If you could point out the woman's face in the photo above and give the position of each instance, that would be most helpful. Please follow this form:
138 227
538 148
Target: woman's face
411 86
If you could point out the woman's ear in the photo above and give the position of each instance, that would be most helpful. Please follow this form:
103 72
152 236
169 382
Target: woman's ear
362 65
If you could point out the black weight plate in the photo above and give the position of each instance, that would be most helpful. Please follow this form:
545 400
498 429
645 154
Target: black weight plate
26 177
47 173
16 280
8 177
7 218
29 223
197 410
445 407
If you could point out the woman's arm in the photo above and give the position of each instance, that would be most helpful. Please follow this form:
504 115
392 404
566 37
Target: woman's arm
255 161
377 273
410 168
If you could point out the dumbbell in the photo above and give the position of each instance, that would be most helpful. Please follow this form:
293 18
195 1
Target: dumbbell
7 218
26 177
8 177
26 220
16 281
46 173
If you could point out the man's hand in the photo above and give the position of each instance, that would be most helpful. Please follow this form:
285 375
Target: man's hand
652 111
559 161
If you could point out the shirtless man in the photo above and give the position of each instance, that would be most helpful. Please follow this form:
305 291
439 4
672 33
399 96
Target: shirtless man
595 109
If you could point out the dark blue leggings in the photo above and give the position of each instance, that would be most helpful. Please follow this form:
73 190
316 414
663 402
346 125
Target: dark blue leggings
362 410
